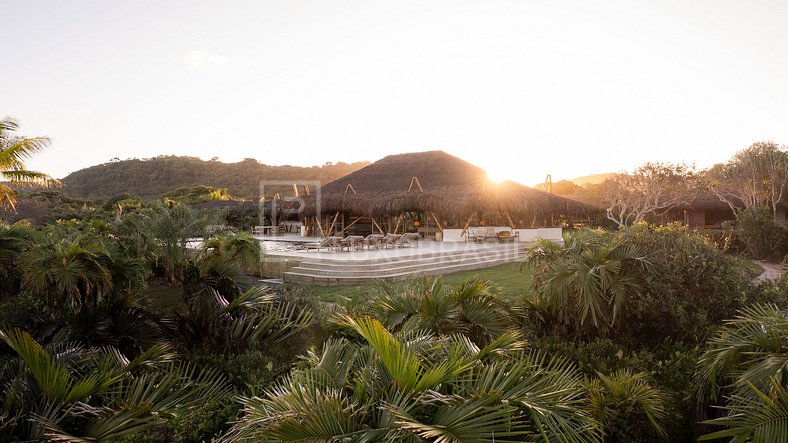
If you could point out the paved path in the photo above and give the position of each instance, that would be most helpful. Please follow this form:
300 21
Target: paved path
771 271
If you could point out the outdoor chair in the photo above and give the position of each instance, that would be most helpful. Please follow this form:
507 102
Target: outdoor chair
480 234
470 234
352 242
390 240
329 243
408 240
373 241
505 236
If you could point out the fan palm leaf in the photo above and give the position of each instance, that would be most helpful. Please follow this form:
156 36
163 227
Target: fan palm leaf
14 150
750 348
758 417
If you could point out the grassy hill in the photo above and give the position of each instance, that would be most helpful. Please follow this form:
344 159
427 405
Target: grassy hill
156 176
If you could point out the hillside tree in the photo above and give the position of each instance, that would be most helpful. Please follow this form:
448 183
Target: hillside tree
756 177
653 188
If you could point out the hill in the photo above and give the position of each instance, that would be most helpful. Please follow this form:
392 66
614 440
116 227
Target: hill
593 179
155 176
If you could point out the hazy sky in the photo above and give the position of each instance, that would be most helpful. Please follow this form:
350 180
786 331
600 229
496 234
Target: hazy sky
521 88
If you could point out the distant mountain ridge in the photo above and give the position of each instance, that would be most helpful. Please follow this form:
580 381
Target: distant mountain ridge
155 176
593 179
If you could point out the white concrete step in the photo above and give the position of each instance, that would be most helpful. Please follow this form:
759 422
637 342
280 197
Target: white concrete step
400 266
445 265
386 256
379 264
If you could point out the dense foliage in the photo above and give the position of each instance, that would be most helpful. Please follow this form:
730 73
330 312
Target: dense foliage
618 339
97 319
140 321
757 235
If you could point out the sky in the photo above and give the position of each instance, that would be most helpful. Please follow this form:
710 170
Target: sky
520 88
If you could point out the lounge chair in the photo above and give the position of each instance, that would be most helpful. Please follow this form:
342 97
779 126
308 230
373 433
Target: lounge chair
373 241
470 235
390 240
480 234
352 242
408 240
329 243
505 236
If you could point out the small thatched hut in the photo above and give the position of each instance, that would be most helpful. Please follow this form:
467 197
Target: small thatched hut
707 211
428 192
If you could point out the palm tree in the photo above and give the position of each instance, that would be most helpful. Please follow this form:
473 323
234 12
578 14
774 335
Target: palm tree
756 416
66 392
237 247
589 279
623 401
226 260
69 271
172 227
14 150
254 319
472 308
747 365
14 241
418 386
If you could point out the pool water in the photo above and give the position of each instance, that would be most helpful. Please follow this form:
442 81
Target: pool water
281 246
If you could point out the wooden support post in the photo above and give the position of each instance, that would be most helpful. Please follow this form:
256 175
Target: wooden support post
437 222
322 233
509 218
333 222
399 219
376 224
468 223
346 227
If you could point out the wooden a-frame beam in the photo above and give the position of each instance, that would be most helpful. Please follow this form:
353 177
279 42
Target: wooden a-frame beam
468 223
415 180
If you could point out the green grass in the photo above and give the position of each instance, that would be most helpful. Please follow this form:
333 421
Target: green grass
508 279
752 268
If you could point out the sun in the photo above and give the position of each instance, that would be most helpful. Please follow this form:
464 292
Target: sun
513 171
497 175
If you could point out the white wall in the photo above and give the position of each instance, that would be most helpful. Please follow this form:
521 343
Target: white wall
452 235
555 234
525 235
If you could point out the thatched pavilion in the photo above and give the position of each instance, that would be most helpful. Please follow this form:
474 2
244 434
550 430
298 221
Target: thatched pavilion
429 192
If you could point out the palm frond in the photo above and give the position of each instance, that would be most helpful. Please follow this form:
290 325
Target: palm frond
758 418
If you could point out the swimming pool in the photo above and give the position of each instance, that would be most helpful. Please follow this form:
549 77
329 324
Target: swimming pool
281 246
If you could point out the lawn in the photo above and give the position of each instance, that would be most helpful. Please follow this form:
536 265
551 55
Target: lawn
752 268
508 279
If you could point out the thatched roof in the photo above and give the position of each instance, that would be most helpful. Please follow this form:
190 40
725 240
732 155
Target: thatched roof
451 186
707 201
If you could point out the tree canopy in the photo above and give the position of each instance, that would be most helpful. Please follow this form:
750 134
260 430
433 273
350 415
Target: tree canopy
756 177
653 188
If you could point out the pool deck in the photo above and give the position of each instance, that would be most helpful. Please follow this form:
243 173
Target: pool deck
294 238
425 247
328 268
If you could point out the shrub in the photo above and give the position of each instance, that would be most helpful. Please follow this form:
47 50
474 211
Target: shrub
670 365
694 286
205 423
628 406
757 235
245 371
